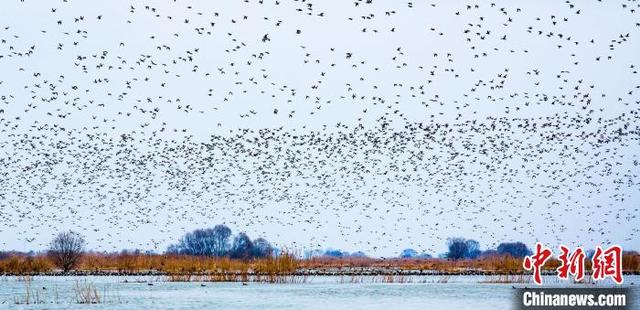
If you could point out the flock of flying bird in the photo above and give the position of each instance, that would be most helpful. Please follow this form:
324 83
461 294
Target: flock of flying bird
368 125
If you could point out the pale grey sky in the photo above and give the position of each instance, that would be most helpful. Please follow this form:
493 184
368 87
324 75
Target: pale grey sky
206 70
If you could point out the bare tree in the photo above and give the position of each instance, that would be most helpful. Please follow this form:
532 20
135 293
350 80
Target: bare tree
221 235
66 249
242 247
262 248
515 249
197 242
458 248
204 242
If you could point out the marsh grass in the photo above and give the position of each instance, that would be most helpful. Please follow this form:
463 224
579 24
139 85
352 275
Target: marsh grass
86 293
396 279
28 296
284 268
279 269
21 264
507 278
444 279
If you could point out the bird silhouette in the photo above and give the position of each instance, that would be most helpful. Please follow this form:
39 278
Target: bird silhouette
363 124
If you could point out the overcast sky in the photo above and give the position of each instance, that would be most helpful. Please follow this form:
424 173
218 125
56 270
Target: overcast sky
181 72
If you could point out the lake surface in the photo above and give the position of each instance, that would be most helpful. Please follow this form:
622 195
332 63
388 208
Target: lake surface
118 292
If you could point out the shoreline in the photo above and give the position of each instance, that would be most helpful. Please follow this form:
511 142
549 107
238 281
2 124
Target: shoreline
301 272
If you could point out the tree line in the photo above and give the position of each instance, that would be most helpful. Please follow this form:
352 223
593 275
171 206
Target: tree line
461 248
66 249
217 242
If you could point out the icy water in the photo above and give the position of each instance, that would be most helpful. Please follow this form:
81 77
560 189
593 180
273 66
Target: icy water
317 293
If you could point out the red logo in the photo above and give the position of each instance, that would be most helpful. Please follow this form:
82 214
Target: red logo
536 261
608 263
571 264
605 263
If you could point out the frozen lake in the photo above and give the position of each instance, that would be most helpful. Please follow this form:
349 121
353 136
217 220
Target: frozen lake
423 292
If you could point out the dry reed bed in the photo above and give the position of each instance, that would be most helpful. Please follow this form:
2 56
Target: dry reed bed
283 268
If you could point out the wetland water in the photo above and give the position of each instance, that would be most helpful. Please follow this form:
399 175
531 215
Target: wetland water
326 292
